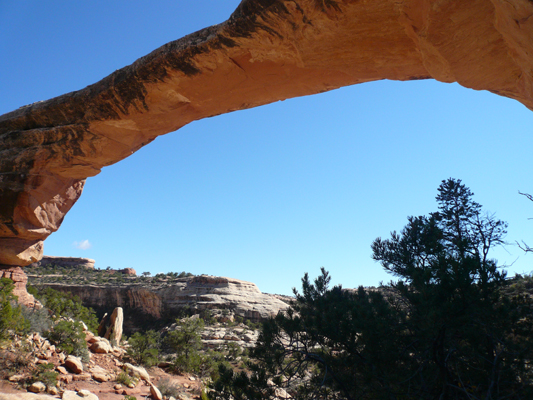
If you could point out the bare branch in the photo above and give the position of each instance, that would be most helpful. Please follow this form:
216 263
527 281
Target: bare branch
530 197
525 247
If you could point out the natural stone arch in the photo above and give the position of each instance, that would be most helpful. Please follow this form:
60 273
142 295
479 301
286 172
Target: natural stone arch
268 50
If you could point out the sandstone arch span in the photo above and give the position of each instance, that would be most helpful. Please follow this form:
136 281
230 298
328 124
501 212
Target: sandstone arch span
268 50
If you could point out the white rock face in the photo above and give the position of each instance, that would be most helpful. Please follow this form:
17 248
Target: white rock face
239 298
214 292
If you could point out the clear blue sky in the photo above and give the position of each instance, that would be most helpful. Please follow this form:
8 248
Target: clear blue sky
266 194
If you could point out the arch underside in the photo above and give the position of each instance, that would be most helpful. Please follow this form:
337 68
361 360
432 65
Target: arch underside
268 50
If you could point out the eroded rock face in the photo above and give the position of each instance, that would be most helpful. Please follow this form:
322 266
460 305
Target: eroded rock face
195 293
19 278
268 50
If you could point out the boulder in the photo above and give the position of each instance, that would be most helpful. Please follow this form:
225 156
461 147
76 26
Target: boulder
101 346
155 393
74 364
16 378
84 376
62 370
99 374
37 387
137 371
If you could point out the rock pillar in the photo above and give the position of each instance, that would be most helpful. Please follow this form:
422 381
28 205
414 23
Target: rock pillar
114 332
19 278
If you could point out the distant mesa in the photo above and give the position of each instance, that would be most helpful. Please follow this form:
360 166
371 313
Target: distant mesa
47 261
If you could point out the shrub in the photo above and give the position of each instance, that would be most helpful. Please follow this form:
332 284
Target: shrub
45 373
168 388
38 320
208 318
69 337
11 319
144 348
124 379
69 306
14 362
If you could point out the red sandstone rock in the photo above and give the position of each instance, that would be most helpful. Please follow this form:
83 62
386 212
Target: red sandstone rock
128 271
19 278
267 51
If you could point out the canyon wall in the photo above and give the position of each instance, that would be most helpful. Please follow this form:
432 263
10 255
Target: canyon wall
268 50
167 301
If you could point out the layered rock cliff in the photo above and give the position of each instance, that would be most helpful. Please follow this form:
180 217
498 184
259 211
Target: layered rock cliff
168 300
268 50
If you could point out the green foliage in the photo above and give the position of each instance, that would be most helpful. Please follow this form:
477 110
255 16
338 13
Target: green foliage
452 327
144 348
125 379
69 337
69 306
186 342
11 319
208 317
45 373
242 385
128 397
252 325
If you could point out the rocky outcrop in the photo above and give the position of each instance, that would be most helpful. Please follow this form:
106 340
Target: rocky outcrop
19 278
268 50
128 271
64 262
114 332
213 292
196 294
